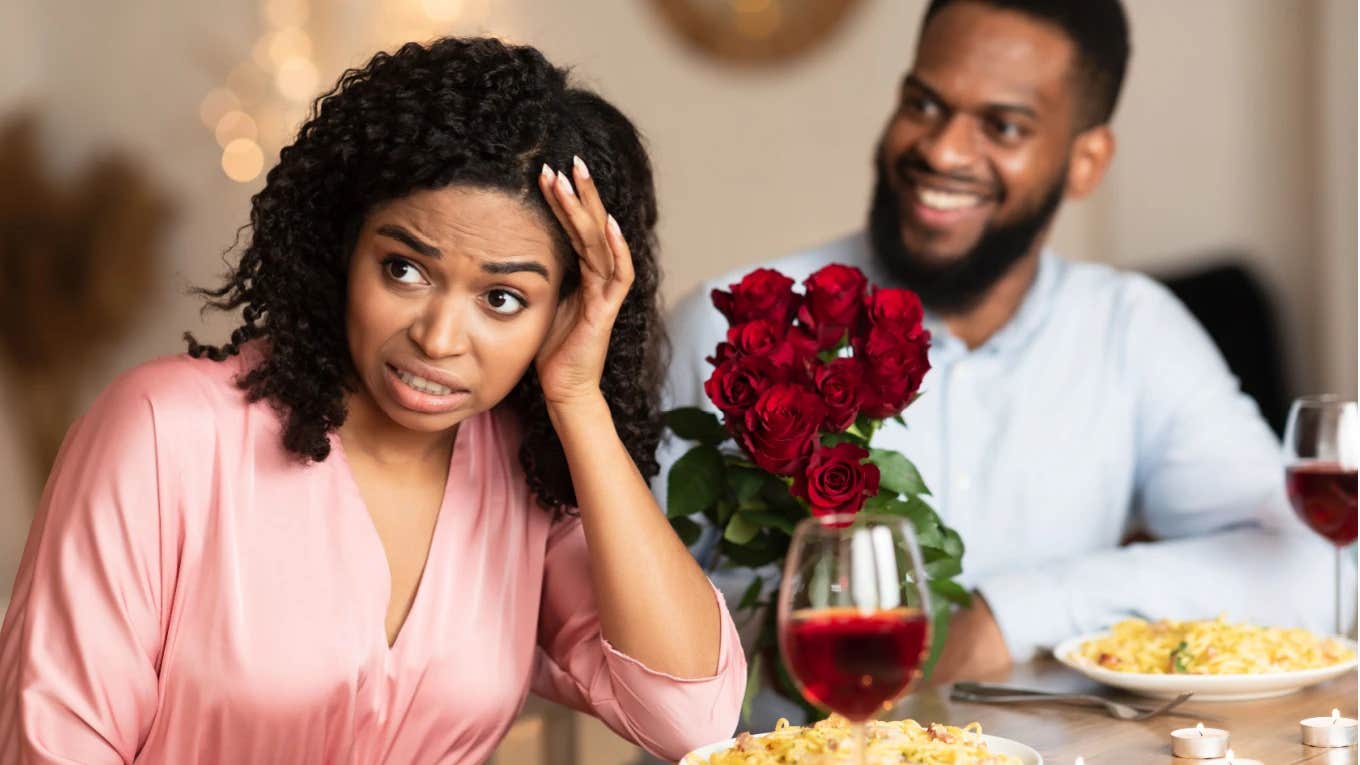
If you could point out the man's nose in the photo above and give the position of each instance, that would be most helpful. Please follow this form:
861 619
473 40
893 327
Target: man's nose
951 147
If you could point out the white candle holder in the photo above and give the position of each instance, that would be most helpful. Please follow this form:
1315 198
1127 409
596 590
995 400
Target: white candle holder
1199 742
1334 731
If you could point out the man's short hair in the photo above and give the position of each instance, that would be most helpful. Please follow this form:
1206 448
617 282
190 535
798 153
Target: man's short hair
1098 29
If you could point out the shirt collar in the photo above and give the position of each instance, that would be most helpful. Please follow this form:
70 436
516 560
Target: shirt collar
1034 308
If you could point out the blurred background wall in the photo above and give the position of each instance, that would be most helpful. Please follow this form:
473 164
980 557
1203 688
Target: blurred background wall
1237 134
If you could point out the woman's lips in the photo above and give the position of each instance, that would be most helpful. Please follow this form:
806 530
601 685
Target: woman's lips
421 394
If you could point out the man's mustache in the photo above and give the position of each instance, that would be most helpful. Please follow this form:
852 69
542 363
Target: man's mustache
911 166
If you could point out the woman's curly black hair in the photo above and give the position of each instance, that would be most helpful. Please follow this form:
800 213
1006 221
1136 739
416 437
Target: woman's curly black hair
455 112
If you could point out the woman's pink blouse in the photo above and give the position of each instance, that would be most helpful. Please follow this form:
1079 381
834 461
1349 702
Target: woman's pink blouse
191 593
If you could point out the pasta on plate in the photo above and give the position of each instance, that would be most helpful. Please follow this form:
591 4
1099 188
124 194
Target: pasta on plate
832 741
1209 647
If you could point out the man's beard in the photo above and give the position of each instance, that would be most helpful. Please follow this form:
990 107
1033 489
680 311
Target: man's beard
958 285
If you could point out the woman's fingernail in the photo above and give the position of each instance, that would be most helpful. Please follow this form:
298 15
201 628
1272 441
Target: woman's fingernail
546 172
614 226
580 166
565 183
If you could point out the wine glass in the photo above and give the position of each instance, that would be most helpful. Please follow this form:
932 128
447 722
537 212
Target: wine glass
854 624
1320 445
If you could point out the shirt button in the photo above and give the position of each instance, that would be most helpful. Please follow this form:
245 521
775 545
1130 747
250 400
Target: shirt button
962 482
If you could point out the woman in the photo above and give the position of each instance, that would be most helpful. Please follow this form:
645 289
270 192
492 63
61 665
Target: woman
411 488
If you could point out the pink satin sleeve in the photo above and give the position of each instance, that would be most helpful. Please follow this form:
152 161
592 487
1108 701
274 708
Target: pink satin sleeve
666 715
81 641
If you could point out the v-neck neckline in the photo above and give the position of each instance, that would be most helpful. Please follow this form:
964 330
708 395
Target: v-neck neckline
457 472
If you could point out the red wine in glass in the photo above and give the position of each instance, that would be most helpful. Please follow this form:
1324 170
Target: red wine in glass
853 614
1321 452
1323 495
857 663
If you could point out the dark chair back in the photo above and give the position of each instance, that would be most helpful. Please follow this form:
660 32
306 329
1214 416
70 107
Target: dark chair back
1236 310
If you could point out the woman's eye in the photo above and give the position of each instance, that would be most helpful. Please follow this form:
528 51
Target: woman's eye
401 270
505 302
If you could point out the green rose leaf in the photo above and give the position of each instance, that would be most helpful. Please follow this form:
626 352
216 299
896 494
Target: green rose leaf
740 529
695 424
944 568
939 633
759 552
953 543
752 593
724 509
950 591
896 473
687 530
776 493
746 482
881 503
753 675
931 554
832 439
769 519
923 519
695 482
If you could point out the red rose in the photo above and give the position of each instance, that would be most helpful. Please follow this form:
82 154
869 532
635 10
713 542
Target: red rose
762 294
724 352
797 351
841 390
789 349
894 366
757 337
834 303
737 383
895 309
837 479
781 429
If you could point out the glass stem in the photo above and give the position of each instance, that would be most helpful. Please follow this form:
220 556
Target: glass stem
862 755
1340 590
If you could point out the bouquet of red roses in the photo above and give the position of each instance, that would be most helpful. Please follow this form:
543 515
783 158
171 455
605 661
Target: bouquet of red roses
803 382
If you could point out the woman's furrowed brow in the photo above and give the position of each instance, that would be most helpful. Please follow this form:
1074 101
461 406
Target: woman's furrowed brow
400 234
515 267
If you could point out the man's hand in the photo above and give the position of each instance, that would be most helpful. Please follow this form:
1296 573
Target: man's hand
974 648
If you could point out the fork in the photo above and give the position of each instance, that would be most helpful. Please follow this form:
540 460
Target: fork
990 694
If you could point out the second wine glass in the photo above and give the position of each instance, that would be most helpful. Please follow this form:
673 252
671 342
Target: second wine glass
854 607
1321 445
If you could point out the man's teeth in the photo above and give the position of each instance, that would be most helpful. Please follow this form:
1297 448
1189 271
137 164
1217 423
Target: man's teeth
946 200
423 385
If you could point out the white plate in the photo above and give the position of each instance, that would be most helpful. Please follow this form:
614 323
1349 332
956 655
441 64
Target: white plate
1205 687
996 744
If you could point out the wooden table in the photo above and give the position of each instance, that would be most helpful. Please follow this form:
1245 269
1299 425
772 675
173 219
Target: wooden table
1265 730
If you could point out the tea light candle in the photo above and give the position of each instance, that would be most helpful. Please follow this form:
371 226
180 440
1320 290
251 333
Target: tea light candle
1328 731
1199 742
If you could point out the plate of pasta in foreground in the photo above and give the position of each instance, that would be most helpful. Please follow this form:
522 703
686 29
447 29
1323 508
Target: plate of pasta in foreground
1215 659
831 742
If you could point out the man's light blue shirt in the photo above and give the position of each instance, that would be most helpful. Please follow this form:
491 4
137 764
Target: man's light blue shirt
1100 407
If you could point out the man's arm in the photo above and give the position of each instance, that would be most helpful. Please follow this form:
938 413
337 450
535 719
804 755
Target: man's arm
1209 484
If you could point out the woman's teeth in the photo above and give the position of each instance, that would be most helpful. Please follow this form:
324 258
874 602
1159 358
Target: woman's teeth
423 385
946 200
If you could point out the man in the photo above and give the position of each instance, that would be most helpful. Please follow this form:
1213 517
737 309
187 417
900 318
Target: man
1068 403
